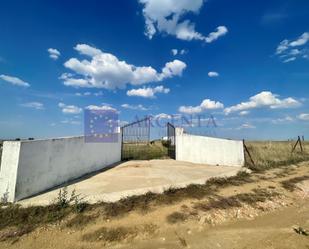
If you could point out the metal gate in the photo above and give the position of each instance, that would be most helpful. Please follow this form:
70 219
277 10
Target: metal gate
135 139
171 140
137 144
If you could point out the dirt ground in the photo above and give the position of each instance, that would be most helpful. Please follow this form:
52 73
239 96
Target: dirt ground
271 211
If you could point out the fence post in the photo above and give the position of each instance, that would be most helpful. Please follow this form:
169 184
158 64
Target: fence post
300 144
121 154
295 146
246 149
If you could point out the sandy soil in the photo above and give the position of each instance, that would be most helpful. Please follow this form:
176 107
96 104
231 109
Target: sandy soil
267 224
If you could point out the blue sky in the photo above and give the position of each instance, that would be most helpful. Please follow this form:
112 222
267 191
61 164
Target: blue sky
244 62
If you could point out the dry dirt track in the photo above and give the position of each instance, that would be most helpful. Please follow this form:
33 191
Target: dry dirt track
266 225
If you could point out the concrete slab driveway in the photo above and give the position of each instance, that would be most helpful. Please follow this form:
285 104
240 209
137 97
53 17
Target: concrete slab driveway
135 178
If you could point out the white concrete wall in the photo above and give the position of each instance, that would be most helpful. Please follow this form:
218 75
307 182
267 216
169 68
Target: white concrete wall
209 150
30 167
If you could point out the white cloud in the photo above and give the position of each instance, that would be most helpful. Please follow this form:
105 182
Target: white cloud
162 116
148 92
303 116
53 53
172 68
287 50
206 104
220 31
213 74
34 105
166 16
87 50
286 119
263 99
100 93
246 126
14 80
100 108
289 60
105 70
175 51
243 113
302 40
134 107
190 109
70 109
70 121
295 52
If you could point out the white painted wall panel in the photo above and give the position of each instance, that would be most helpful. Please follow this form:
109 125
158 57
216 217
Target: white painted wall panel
44 164
208 150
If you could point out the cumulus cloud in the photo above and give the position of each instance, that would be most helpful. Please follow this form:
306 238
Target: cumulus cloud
213 74
303 116
287 50
134 107
105 70
14 80
34 105
148 92
263 99
166 16
206 104
70 109
53 53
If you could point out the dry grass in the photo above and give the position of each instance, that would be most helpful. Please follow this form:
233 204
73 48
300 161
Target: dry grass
20 218
13 234
182 240
267 155
155 150
291 183
176 217
117 234
251 198
80 221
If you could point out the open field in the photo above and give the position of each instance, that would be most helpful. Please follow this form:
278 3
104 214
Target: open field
229 212
269 154
265 154
142 151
